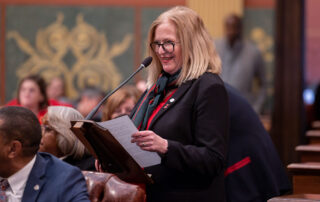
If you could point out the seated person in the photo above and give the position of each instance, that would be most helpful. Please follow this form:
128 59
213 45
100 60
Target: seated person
56 90
89 98
31 94
30 175
254 169
121 102
59 140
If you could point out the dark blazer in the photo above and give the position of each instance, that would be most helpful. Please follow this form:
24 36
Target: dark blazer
262 174
85 163
53 180
195 123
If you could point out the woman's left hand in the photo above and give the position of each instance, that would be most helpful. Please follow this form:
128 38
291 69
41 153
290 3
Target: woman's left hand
150 141
98 167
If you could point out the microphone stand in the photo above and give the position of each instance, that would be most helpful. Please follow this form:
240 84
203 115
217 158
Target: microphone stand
94 111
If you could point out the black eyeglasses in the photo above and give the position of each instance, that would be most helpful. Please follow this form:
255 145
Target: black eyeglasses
47 128
167 46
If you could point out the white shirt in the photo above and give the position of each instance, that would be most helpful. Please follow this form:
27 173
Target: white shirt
18 182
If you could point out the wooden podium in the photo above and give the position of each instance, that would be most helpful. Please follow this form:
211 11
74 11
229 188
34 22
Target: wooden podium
110 153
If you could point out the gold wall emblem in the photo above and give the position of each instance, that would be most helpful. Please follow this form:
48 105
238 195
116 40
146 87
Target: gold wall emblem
264 43
93 65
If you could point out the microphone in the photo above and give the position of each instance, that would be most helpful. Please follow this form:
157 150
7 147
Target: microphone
145 63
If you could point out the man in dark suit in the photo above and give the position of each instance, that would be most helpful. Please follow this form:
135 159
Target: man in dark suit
255 172
33 176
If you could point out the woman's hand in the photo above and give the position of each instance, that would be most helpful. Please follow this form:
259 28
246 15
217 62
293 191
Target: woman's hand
98 166
149 141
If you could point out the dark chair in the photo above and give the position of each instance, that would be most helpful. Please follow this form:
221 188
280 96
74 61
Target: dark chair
107 187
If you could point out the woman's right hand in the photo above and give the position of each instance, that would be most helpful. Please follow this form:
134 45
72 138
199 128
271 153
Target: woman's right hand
150 141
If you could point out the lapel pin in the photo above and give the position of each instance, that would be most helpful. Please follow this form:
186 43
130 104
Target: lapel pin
36 187
172 100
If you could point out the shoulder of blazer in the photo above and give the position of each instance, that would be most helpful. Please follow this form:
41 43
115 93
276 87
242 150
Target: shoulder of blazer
36 179
207 80
212 78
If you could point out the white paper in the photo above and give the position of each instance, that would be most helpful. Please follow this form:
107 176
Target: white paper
122 128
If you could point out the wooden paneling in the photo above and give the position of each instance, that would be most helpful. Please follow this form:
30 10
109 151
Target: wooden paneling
287 118
98 2
313 136
213 12
312 41
316 124
309 153
306 177
259 3
306 184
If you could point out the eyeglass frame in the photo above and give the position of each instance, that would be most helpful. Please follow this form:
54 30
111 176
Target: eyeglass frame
162 45
47 128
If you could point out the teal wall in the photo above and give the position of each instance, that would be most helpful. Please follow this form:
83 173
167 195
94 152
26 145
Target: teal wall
259 26
33 46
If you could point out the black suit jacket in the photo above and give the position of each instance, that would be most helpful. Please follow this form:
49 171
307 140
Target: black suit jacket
264 176
195 123
85 163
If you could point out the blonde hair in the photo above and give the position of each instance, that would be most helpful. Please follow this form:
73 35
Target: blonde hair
198 52
59 118
118 98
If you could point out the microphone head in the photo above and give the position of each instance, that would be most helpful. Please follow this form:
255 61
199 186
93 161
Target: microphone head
146 62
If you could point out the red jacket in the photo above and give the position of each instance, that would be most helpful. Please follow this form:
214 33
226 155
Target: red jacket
41 113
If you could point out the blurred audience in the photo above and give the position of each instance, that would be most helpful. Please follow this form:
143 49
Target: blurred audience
89 98
242 63
121 102
32 95
56 90
28 175
59 140
141 85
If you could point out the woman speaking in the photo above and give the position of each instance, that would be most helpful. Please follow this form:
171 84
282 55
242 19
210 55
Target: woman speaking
184 113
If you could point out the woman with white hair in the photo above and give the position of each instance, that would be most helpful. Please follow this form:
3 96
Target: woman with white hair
59 140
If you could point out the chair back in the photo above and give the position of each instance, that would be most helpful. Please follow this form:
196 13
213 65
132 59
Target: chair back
107 187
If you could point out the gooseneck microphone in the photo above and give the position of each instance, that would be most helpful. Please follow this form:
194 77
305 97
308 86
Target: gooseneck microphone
145 63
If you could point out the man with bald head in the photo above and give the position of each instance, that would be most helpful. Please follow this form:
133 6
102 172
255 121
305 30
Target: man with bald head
242 64
27 175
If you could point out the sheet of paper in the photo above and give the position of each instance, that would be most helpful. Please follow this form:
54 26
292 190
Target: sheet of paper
122 128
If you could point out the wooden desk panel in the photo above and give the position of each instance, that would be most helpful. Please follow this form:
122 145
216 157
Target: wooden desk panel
306 177
313 136
309 153
306 184
316 125
297 198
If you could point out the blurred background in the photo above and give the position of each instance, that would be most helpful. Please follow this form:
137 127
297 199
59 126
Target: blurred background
98 43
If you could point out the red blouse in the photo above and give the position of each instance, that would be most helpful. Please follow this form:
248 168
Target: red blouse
41 113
